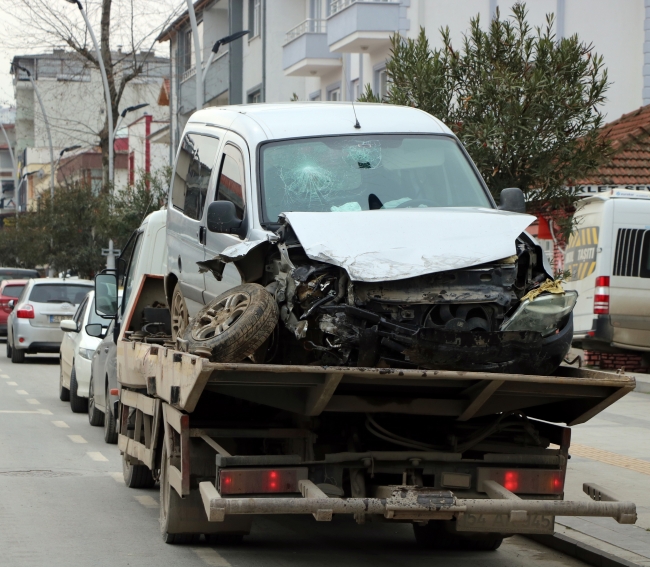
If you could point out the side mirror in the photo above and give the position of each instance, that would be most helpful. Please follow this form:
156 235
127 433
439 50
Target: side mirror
512 199
95 330
11 304
69 325
222 217
106 301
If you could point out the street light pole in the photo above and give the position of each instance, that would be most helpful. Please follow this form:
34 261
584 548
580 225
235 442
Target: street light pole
125 112
22 179
107 91
47 126
63 151
215 49
197 54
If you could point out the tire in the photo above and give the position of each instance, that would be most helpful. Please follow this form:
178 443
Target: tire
8 348
441 535
64 393
179 313
170 503
17 355
110 425
77 403
137 476
234 325
95 416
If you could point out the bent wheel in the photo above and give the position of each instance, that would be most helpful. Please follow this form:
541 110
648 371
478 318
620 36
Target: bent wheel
179 313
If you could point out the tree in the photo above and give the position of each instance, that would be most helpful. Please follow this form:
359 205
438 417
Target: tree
525 104
127 23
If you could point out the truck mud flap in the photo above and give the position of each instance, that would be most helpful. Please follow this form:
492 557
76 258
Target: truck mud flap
502 512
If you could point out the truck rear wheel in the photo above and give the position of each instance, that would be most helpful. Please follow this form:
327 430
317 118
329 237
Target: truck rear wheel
234 325
442 535
137 476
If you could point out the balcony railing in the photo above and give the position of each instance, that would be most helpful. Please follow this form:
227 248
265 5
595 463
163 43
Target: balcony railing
308 26
338 5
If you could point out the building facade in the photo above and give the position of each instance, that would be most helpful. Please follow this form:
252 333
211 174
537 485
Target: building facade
7 153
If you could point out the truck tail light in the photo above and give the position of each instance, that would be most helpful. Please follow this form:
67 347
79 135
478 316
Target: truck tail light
261 481
524 481
25 312
601 296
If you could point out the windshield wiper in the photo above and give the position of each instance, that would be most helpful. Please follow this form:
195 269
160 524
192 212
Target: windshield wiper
374 202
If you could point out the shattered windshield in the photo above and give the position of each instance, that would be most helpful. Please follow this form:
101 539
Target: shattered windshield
357 173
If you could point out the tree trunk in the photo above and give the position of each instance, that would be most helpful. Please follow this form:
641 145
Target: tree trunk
108 64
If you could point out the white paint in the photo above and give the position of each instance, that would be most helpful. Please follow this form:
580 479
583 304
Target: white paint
22 392
44 411
96 456
117 477
147 501
4 376
61 424
19 411
394 245
12 383
77 439
34 402
210 557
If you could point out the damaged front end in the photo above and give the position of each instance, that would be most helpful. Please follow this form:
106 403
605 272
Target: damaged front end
501 316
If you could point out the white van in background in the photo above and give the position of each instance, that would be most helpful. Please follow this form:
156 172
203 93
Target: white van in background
609 258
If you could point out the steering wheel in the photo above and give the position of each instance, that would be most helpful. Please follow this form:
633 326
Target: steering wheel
416 203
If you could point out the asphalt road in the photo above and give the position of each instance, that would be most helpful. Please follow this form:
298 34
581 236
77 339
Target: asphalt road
63 503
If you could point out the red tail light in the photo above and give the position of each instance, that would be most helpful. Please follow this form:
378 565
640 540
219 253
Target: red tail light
260 481
601 296
524 481
25 312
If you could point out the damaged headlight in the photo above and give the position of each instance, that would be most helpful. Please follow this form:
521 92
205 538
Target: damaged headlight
543 314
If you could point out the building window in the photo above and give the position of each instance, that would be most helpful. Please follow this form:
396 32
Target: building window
96 180
186 51
382 82
255 17
255 97
334 94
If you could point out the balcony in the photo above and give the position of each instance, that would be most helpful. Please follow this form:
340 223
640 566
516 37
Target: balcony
305 51
357 26
216 83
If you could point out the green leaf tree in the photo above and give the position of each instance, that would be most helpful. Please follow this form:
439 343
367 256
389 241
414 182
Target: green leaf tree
526 105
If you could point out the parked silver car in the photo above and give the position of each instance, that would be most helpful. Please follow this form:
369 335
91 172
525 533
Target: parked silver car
34 324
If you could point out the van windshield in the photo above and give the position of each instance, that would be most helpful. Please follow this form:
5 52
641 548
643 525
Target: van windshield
360 173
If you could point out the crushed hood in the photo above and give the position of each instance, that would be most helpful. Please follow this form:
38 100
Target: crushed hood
394 244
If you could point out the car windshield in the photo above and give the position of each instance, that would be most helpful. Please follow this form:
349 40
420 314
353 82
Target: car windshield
59 293
358 173
13 290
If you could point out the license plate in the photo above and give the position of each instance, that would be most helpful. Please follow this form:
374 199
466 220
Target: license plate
56 318
533 524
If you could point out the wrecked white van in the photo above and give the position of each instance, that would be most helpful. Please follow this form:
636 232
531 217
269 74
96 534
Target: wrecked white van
304 233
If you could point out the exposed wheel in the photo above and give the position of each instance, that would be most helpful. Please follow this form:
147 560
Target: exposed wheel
8 348
64 393
234 325
170 505
179 313
442 535
95 416
137 476
77 403
110 429
17 355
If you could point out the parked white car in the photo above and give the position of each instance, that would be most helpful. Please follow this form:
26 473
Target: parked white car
77 351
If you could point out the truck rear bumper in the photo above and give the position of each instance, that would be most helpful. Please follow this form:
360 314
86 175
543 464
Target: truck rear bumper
502 512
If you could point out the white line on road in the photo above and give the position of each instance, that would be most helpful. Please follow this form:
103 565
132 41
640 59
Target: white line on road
211 557
44 411
34 402
22 392
96 456
147 501
77 439
61 424
117 477
12 383
3 376
20 411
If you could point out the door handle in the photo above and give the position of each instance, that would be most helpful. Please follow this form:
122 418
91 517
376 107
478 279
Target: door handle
105 349
201 235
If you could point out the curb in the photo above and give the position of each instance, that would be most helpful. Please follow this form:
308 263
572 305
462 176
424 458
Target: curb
579 550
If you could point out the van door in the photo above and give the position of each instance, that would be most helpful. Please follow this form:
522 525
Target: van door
629 291
186 229
233 184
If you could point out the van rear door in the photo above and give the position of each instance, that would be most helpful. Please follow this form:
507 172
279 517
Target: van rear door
629 301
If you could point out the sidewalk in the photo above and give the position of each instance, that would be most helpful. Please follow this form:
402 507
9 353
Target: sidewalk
613 450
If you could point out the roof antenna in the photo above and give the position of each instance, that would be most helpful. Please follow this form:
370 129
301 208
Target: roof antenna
356 124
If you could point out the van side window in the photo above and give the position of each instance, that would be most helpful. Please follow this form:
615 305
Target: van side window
632 253
194 165
232 185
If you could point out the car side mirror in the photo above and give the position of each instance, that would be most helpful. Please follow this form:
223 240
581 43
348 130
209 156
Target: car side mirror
512 199
106 301
222 217
95 330
11 303
69 325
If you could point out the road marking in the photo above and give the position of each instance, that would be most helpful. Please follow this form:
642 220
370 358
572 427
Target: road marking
77 438
12 383
61 424
44 411
22 392
20 411
96 456
34 402
210 557
4 376
630 463
147 501
117 477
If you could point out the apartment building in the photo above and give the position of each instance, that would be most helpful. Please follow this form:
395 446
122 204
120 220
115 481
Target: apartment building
7 172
